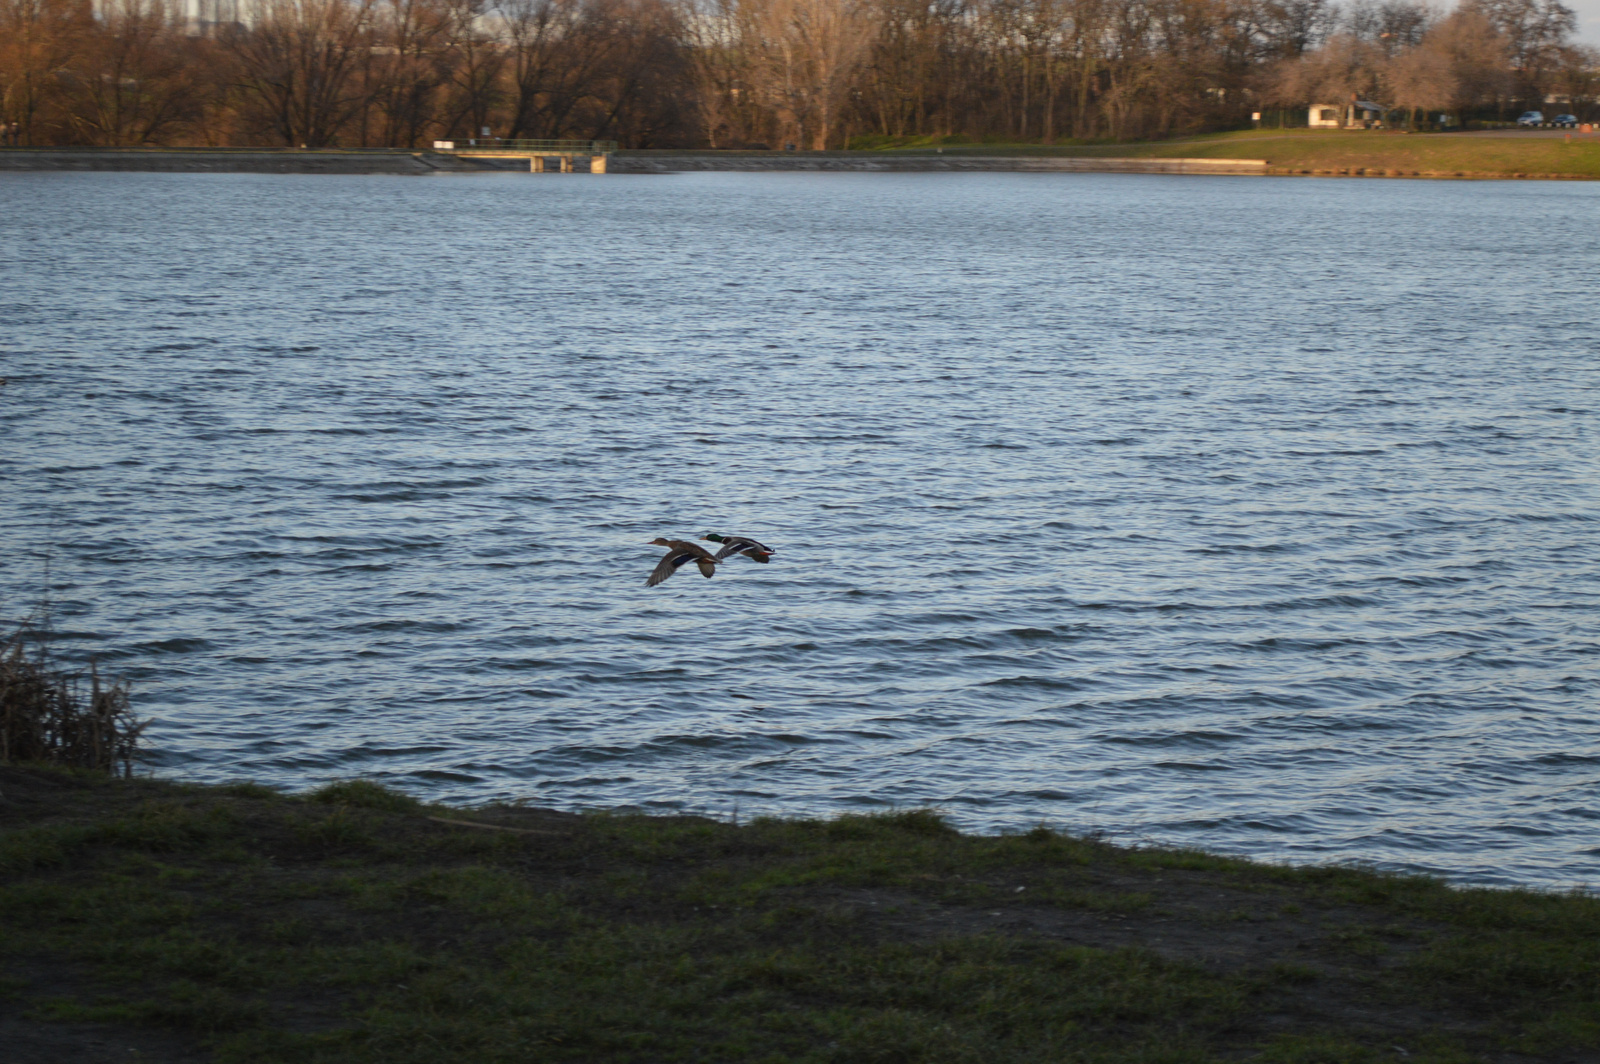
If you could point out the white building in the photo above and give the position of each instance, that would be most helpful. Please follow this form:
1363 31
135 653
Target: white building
1357 114
200 18
205 17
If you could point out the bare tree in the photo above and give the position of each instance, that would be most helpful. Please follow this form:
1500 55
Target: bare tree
1130 66
737 72
39 42
647 89
916 66
561 52
1478 56
1532 28
1421 79
1577 77
1284 29
1203 52
477 60
136 81
1082 42
299 65
1391 26
404 70
808 51
1344 69
710 39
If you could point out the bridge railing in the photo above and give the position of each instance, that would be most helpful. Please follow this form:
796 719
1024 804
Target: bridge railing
581 147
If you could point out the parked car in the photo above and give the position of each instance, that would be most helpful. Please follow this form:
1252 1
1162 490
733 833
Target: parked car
1569 121
1531 118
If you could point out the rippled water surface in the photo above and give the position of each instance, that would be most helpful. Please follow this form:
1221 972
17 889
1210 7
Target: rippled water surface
1254 514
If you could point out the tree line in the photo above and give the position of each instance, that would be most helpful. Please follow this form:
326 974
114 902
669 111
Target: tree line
814 74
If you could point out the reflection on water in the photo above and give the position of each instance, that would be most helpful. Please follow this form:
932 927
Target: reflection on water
1254 514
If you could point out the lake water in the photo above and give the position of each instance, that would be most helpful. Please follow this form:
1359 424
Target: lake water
1253 514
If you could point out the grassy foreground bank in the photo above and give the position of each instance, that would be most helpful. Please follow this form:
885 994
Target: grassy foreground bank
157 921
1373 153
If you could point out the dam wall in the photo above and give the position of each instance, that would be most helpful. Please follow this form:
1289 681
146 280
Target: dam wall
417 163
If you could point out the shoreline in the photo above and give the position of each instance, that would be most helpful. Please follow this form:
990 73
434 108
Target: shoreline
194 923
374 161
226 161
424 163
640 162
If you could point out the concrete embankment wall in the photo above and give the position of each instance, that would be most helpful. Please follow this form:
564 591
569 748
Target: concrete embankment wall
229 161
672 162
225 160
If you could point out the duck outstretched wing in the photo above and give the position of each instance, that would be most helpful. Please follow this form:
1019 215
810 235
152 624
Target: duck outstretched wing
671 563
743 545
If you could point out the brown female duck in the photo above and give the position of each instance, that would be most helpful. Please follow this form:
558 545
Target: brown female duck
680 553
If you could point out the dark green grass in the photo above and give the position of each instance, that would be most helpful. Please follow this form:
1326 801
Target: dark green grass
347 925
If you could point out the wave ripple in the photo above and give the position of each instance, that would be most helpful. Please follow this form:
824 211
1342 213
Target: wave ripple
1099 500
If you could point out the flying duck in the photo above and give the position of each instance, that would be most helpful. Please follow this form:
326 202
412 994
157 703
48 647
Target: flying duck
740 545
680 553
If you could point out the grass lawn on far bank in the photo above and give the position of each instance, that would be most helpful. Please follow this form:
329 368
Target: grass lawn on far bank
147 920
1331 151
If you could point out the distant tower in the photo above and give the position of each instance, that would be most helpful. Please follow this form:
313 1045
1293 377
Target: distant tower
208 17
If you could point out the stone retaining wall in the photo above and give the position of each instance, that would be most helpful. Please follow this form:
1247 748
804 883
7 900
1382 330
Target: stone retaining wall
405 162
670 162
227 161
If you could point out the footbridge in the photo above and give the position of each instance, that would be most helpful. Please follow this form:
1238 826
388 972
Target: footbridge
537 152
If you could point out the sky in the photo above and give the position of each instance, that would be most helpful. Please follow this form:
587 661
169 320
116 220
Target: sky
1588 20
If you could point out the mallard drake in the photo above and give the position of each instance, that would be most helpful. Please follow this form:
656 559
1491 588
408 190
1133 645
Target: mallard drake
740 545
680 553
